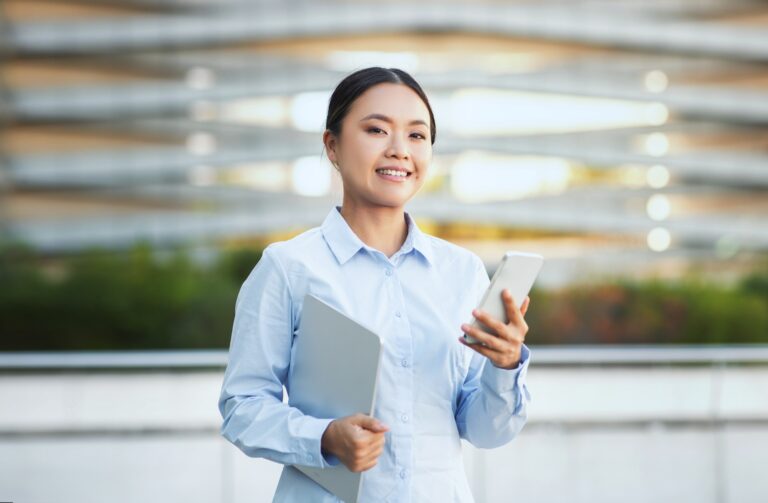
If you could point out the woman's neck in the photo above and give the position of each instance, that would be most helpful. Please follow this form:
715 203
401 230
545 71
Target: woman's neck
381 228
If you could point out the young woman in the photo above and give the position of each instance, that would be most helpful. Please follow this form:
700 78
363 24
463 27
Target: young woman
370 260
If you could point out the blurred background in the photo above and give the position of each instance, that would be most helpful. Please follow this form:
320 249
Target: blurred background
150 149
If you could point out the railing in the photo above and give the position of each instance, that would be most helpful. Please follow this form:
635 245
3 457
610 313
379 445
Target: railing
643 355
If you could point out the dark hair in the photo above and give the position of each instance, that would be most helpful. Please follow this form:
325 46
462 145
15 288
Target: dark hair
360 81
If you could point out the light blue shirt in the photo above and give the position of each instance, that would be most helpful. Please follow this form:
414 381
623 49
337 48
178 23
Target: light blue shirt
432 391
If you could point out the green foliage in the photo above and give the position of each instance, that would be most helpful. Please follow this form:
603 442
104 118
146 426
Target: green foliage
652 312
118 301
140 299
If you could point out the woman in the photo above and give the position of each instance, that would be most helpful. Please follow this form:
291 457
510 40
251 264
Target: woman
369 260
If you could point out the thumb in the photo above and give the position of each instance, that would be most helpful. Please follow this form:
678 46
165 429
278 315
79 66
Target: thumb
371 424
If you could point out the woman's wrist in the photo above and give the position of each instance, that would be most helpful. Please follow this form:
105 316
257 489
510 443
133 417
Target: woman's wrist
327 444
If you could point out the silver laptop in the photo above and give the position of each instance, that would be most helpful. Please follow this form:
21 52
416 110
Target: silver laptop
333 374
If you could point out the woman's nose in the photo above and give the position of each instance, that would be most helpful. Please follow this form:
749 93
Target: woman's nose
397 147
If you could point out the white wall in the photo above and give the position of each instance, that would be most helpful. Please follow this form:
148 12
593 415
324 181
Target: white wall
595 434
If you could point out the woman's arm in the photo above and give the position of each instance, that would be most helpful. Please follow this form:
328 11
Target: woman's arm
492 402
251 402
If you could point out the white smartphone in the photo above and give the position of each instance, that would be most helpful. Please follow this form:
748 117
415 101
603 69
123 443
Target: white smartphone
517 272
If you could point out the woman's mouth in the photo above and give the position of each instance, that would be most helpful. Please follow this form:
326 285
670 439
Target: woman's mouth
394 175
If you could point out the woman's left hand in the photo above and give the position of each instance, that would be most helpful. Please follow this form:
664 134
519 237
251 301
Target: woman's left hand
504 348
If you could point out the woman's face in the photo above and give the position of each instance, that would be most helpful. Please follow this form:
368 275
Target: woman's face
386 127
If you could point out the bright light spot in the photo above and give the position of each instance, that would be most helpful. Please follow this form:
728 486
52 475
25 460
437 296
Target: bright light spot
264 111
201 143
202 176
272 176
200 78
656 114
658 207
348 61
484 111
656 81
659 239
657 176
311 176
656 144
308 110
203 111
632 176
480 177
496 63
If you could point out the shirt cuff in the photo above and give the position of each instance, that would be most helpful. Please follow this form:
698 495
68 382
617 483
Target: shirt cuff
311 444
501 380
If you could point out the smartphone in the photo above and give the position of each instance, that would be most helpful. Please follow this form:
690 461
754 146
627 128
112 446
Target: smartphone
517 272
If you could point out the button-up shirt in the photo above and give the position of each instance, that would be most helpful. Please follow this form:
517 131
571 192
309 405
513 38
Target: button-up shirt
432 391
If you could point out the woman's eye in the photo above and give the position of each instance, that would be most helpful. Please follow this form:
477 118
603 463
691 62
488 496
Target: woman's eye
379 130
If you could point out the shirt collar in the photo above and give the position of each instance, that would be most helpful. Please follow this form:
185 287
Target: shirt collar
344 243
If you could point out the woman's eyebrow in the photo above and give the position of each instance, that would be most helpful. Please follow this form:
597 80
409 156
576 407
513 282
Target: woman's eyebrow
387 119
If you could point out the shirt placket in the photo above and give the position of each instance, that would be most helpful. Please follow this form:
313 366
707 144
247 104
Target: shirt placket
403 356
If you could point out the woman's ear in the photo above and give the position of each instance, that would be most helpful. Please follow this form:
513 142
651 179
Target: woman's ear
329 140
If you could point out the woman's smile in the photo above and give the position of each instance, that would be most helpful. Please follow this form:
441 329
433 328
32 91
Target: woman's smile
386 129
394 175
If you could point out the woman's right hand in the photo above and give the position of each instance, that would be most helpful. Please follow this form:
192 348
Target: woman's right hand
356 440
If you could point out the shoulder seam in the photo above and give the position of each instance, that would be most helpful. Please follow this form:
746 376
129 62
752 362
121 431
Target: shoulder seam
273 256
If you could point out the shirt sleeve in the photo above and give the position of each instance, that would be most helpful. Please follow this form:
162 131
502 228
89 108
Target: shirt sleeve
255 418
492 405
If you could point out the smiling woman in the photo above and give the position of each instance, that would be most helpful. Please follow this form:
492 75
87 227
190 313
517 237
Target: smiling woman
371 261
381 144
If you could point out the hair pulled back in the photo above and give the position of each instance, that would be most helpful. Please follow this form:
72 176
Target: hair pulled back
360 81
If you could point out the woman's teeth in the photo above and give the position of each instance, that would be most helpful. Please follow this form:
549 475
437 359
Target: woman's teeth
392 172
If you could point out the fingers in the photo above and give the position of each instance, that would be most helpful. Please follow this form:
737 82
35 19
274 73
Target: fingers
485 318
368 444
483 350
513 312
367 447
491 341
375 446
508 358
369 423
356 440
366 463
526 303
503 347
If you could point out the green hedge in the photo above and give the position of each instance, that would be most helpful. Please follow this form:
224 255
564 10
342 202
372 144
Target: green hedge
102 300
140 300
653 312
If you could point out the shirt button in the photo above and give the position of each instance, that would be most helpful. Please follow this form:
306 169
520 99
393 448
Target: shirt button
404 362
402 474
388 272
310 458
404 417
397 313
